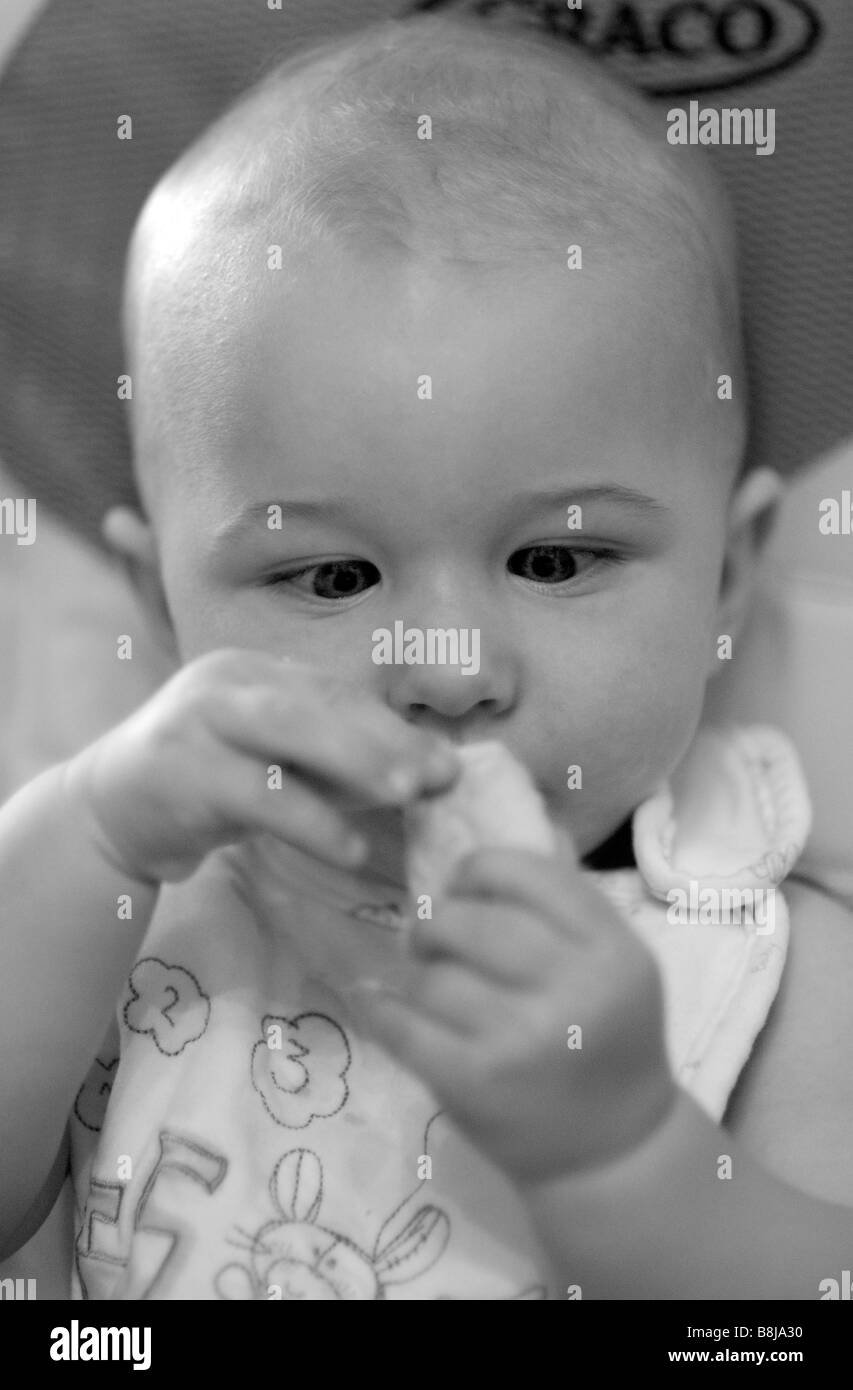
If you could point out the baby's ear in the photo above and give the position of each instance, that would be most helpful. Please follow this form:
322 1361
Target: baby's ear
753 509
131 539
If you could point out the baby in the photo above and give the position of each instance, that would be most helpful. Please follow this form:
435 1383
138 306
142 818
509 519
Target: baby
432 328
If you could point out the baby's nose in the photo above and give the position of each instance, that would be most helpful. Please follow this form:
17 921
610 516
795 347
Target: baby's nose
450 677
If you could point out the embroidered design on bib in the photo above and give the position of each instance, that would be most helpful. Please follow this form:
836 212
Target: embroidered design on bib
91 1101
163 1234
168 1002
294 1257
299 1067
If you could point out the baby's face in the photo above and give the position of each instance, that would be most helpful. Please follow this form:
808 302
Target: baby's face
449 509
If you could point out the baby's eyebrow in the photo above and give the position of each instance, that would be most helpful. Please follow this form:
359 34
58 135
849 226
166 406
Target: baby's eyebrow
257 514
248 518
613 493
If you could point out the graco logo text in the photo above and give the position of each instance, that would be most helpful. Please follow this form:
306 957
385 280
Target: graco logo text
670 46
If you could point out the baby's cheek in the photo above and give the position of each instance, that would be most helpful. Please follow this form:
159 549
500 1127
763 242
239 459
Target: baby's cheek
656 691
631 726
653 721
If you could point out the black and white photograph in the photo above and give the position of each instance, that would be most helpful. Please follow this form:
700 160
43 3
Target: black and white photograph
426 663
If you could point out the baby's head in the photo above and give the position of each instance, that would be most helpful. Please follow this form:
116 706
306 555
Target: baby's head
442 301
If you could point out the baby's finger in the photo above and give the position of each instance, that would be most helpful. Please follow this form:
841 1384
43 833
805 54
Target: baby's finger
509 945
292 812
545 885
367 751
424 1046
457 997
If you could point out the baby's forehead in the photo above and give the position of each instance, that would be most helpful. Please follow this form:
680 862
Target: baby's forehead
324 387
528 154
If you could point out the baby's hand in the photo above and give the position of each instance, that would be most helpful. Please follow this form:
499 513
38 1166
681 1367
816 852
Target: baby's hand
188 772
535 1015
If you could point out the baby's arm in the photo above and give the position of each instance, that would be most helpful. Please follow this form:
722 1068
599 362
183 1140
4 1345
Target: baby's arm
782 1224
145 805
622 1173
63 956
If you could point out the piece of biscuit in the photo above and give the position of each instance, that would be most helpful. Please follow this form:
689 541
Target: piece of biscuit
494 803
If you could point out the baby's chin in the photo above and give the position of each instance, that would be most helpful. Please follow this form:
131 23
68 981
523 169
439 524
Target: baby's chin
588 827
384 831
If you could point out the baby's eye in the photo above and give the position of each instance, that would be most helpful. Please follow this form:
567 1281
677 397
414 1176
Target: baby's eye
334 579
556 564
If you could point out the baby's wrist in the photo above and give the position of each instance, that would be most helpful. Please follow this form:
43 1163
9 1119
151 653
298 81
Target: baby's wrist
667 1130
640 1220
79 806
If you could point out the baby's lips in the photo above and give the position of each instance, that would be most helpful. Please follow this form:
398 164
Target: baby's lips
442 768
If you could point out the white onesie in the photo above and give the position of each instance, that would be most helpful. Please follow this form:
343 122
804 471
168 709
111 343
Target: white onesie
239 1137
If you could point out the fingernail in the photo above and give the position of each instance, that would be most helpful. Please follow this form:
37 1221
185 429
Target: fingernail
401 783
356 849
